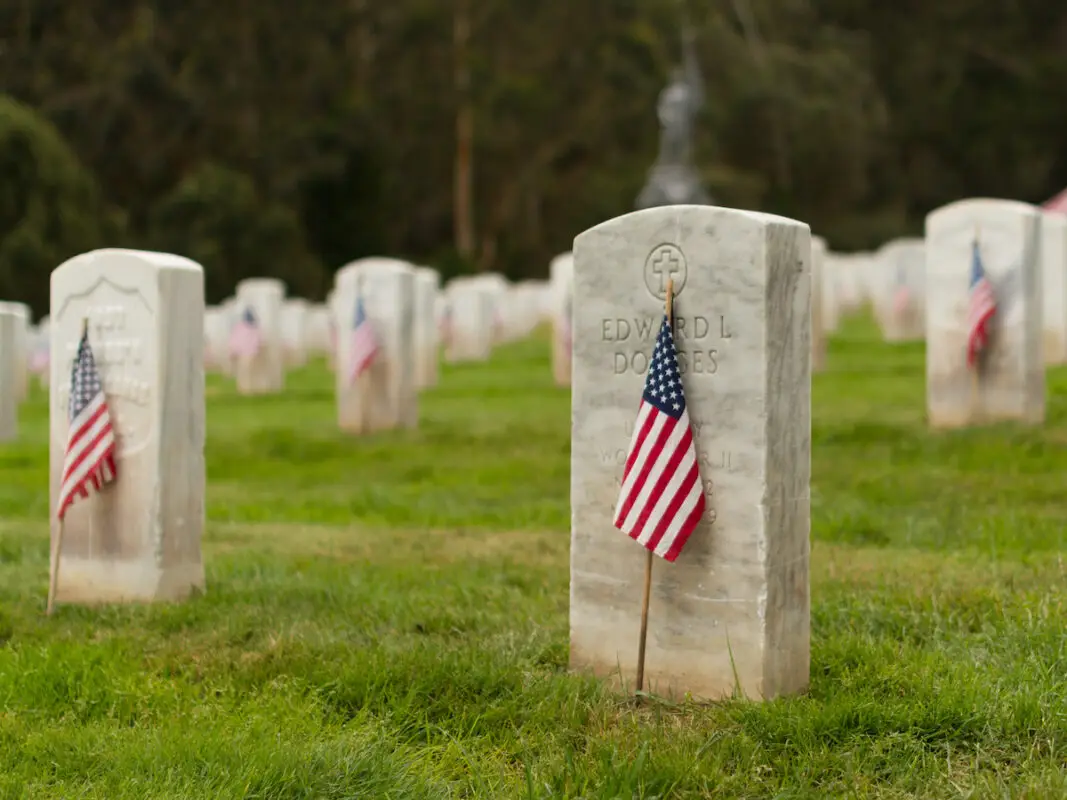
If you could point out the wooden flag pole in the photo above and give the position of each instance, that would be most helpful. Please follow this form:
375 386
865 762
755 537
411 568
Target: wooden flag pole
53 579
649 555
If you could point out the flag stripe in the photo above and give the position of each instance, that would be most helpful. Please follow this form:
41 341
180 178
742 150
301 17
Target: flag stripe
667 527
695 505
635 484
670 475
652 479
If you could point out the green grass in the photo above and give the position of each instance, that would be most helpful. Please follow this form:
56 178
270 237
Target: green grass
387 617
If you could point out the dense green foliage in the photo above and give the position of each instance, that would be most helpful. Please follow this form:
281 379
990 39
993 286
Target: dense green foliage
857 117
215 217
50 208
352 118
387 616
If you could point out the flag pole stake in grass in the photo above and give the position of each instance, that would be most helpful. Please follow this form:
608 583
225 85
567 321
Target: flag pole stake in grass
89 461
53 579
649 554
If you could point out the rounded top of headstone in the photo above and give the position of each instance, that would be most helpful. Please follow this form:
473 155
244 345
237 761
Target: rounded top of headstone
494 280
428 275
272 285
677 219
979 206
117 255
19 309
896 245
348 276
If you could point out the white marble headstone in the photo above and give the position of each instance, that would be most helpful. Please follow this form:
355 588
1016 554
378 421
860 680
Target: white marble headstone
736 602
22 346
294 331
138 538
1054 285
10 322
1010 381
900 290
561 279
263 373
385 396
427 287
818 321
217 324
470 321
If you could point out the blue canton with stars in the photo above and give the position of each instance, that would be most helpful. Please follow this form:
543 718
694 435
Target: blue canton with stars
663 388
84 380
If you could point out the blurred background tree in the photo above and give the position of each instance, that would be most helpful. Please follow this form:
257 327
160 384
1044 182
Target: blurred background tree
284 139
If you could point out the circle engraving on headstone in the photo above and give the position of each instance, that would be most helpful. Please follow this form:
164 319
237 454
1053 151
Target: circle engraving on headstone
665 262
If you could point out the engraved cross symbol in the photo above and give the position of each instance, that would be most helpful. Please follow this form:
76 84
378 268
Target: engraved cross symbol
666 266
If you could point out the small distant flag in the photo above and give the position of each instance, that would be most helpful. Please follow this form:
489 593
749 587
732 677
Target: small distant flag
245 338
364 343
662 497
982 307
90 456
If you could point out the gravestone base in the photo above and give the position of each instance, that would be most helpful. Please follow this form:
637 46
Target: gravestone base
98 582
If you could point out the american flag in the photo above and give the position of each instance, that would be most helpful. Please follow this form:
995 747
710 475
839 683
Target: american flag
902 297
662 497
364 343
90 457
982 307
245 338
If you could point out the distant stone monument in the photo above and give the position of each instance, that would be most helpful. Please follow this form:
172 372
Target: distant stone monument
672 180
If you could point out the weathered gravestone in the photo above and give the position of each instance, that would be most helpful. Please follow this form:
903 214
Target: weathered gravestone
470 321
899 294
22 346
427 287
1009 382
41 354
139 537
818 323
385 395
1054 285
10 320
736 602
264 371
319 326
561 279
294 331
216 337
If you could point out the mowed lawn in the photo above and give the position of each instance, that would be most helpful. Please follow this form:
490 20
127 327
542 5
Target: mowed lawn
386 617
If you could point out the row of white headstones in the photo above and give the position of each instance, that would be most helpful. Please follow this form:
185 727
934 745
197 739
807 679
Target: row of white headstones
918 290
413 317
732 614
